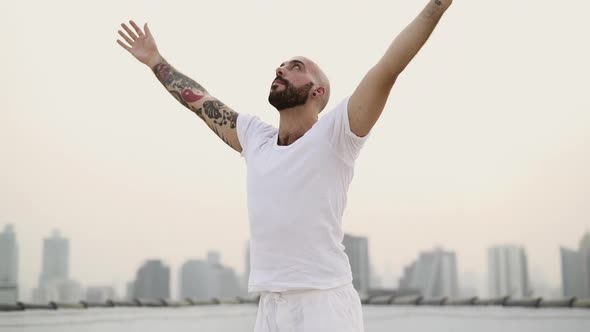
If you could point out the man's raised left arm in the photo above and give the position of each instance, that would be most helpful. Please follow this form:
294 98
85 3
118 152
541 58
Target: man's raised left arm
369 98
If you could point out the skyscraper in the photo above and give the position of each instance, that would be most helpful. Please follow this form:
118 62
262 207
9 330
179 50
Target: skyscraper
575 269
214 257
56 254
54 282
434 273
152 281
229 285
357 250
508 272
194 280
584 249
8 266
204 280
246 275
574 276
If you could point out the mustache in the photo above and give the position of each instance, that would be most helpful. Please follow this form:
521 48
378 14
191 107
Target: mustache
282 80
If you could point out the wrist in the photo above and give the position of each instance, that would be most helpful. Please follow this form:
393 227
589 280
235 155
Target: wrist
435 9
442 3
153 61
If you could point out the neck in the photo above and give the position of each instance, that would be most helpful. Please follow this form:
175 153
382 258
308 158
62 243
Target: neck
295 122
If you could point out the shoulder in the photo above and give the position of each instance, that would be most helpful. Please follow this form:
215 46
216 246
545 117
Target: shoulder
252 131
337 111
346 143
335 120
252 124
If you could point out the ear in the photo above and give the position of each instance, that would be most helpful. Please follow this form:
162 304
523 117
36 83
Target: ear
319 91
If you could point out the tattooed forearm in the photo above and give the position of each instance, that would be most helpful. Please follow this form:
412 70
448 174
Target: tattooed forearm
219 113
181 87
220 135
178 84
178 97
233 118
212 109
218 117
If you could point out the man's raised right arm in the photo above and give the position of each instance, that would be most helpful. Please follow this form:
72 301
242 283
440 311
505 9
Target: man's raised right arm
220 118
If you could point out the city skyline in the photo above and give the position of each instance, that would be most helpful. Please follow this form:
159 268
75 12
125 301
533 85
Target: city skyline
482 281
435 273
484 139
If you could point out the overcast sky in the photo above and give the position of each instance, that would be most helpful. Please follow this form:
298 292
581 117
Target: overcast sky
485 138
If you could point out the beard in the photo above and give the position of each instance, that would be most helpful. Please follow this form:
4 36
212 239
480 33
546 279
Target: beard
290 96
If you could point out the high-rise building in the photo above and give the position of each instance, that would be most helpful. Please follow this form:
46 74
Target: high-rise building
357 250
508 272
130 290
194 280
434 273
54 282
584 249
203 280
56 254
584 246
574 275
229 285
8 266
214 257
152 281
575 269
246 275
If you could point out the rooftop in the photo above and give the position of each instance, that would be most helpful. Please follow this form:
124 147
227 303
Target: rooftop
241 317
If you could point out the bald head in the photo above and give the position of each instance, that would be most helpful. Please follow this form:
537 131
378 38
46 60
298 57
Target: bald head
320 80
299 81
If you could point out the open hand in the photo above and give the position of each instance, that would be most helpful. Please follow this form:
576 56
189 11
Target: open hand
141 45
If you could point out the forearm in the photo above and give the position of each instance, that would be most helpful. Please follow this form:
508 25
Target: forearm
407 44
188 92
219 117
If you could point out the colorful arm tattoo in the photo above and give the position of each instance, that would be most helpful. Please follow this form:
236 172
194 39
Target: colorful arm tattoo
187 91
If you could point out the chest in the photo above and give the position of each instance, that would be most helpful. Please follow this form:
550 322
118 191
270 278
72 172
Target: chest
306 159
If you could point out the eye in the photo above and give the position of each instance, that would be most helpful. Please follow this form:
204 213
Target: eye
297 66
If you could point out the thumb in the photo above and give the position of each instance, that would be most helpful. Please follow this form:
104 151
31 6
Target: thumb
147 30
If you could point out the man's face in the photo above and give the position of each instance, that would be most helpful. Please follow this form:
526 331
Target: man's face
292 85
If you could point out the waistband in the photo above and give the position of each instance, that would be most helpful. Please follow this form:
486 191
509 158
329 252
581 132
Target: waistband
291 292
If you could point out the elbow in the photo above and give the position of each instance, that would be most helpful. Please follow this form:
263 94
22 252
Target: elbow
389 71
386 75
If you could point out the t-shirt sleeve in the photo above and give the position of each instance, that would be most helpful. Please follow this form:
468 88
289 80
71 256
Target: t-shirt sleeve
250 128
346 143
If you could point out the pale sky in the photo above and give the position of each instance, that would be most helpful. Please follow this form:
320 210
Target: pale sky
484 140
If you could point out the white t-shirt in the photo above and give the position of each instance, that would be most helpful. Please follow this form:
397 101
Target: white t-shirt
296 198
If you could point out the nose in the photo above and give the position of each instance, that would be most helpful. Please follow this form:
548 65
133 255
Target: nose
280 71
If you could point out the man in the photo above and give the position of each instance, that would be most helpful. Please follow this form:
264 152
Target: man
298 175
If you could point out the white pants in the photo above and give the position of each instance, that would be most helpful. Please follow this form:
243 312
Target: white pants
329 310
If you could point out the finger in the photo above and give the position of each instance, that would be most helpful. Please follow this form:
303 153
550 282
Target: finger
123 45
127 39
137 29
131 33
147 30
